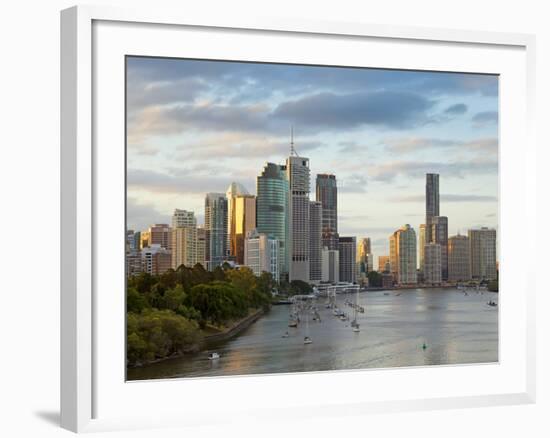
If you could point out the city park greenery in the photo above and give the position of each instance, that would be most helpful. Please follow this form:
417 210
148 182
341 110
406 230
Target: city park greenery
171 313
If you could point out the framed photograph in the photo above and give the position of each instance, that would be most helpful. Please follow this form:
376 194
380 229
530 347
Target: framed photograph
270 217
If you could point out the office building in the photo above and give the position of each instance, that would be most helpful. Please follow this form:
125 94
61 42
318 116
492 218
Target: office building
326 192
384 264
403 255
184 246
421 244
458 251
432 263
261 253
439 234
297 170
330 265
347 249
315 241
272 207
241 219
483 253
156 259
201 247
215 225
160 234
432 202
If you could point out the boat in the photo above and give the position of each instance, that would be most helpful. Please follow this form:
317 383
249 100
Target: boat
356 329
354 323
213 356
307 340
285 335
386 293
293 323
492 304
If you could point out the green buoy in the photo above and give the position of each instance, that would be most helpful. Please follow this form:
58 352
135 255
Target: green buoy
424 346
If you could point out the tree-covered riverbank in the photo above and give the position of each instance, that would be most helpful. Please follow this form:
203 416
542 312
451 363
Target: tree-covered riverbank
171 314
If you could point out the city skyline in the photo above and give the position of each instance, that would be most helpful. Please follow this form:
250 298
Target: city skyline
198 126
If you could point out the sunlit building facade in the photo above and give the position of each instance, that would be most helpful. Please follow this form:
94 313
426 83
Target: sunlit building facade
459 258
483 253
403 255
215 225
261 253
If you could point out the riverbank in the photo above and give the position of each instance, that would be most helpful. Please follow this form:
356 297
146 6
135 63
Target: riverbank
234 329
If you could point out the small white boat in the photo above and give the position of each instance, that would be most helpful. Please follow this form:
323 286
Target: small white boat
307 340
356 328
285 335
213 356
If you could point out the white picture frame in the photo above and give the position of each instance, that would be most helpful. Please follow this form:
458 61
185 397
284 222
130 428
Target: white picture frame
87 403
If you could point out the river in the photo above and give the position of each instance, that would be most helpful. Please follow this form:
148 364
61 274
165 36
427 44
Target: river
455 328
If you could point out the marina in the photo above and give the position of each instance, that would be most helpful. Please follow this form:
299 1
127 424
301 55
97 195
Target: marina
352 331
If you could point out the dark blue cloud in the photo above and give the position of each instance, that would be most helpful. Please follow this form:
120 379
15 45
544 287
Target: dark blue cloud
343 111
485 118
456 109
246 81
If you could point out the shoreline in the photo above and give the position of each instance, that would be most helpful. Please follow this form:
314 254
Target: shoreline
224 335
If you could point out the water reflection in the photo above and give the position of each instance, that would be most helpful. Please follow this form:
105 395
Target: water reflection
455 328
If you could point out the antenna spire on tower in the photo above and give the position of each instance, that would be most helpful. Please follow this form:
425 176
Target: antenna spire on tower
292 149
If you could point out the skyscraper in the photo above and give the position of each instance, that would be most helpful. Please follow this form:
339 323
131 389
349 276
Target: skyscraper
364 259
215 224
184 246
330 265
432 201
156 260
421 245
241 218
347 252
483 253
201 246
403 255
160 234
297 170
384 263
439 232
272 190
432 263
326 193
261 253
459 258
315 241
183 239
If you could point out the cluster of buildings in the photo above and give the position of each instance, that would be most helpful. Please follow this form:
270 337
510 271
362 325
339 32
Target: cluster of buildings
281 231
442 259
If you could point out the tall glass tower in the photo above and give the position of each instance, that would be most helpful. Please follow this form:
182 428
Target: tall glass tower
215 225
272 207
432 202
326 193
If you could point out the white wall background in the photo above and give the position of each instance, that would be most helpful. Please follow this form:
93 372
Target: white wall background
29 219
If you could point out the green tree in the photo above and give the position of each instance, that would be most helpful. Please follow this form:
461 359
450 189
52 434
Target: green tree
135 302
300 287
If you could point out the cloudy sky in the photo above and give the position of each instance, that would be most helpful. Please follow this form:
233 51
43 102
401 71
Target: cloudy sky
196 126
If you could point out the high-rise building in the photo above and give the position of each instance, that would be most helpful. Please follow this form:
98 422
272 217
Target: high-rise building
133 263
183 218
315 241
439 231
160 234
483 253
347 249
201 247
432 263
421 244
261 253
297 170
272 207
403 255
330 265
241 218
458 251
326 192
215 224
363 260
144 239
384 264
156 259
184 246
432 202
